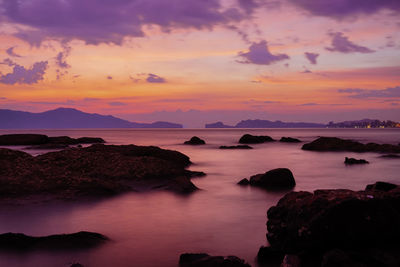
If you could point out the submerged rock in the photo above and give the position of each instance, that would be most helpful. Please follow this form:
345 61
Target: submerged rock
79 240
289 140
337 144
205 260
351 161
195 141
281 178
236 147
98 170
254 139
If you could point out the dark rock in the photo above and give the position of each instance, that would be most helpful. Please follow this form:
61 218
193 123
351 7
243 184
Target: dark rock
80 240
244 181
23 139
90 140
351 161
236 147
291 261
205 260
48 146
337 144
380 186
289 140
76 265
98 170
337 257
195 141
327 219
269 256
280 178
254 139
391 156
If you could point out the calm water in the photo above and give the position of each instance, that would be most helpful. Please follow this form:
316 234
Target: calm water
153 229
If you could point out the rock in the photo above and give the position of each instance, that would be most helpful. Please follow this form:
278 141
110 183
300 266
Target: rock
48 146
97 171
76 265
337 144
79 240
380 186
23 139
291 261
90 140
253 139
351 161
327 219
391 156
244 181
269 256
195 141
281 178
205 260
289 140
236 147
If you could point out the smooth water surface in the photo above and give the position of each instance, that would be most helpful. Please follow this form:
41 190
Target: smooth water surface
153 229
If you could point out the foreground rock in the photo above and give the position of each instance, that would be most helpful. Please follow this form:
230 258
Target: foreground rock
276 179
205 260
331 226
289 140
80 240
40 139
98 170
391 156
255 139
352 161
236 147
337 144
195 141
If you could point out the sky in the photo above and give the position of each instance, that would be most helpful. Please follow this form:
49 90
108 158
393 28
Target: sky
196 62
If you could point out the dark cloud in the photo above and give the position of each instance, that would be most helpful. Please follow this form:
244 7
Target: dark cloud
344 8
393 92
259 54
11 53
310 104
8 62
116 104
109 21
153 78
61 59
22 75
341 43
312 57
109 77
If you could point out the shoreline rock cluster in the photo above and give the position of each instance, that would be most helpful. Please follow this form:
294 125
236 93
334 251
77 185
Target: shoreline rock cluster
336 227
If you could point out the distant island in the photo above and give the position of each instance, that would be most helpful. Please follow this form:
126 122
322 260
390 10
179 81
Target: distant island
67 118
365 123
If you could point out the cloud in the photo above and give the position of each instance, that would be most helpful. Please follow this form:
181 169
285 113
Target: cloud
153 78
22 75
310 104
259 54
109 77
61 60
342 8
110 21
8 62
116 104
11 53
306 71
393 92
312 57
341 43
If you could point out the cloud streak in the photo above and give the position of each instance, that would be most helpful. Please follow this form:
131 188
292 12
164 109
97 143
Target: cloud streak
342 44
153 78
393 92
312 57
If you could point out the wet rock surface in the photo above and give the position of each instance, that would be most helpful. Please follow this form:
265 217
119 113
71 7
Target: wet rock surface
337 144
276 179
289 140
236 147
98 170
195 141
352 161
79 240
255 139
338 227
205 260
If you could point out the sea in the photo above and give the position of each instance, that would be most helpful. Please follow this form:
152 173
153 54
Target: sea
222 218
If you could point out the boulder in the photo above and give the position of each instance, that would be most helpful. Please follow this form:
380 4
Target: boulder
79 240
96 171
269 256
380 186
244 181
281 178
254 139
236 147
289 140
23 139
352 161
337 144
205 260
195 141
